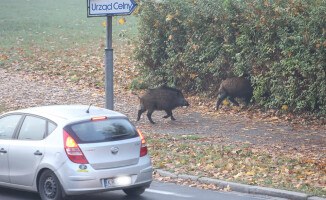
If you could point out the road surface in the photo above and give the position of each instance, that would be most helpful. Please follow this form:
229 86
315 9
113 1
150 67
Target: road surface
157 191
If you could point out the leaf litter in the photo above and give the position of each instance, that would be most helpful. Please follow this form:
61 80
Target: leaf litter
234 143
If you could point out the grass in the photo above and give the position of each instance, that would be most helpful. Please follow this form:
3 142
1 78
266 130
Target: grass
237 163
56 37
2 107
55 24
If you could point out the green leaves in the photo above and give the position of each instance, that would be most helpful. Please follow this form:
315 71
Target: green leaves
279 44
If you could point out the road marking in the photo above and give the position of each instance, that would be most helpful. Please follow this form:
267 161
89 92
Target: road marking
167 193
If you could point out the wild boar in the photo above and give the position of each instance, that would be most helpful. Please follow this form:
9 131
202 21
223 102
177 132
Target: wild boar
235 87
161 98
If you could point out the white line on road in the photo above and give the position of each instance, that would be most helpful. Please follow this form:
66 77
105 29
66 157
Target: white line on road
167 193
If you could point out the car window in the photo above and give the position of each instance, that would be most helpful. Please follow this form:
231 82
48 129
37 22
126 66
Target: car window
102 130
8 125
51 127
33 128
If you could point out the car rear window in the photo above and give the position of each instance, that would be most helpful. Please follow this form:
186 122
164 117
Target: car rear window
101 130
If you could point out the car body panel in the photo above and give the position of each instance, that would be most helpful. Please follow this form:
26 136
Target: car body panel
68 113
106 155
79 181
23 163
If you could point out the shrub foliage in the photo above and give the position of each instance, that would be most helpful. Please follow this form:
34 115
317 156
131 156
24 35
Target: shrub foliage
279 44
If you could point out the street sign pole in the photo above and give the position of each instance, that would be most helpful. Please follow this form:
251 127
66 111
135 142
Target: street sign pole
109 8
109 65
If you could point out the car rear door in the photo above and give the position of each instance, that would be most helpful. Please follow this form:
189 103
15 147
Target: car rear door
109 143
27 150
8 125
4 172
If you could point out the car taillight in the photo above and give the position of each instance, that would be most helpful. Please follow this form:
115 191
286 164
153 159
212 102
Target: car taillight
143 149
73 151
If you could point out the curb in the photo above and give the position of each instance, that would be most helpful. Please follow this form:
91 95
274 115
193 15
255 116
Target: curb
238 187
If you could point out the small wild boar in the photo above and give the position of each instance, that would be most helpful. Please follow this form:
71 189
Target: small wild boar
235 87
161 98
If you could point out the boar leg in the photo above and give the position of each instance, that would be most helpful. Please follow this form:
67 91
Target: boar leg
169 114
139 113
222 97
172 118
247 100
149 115
234 101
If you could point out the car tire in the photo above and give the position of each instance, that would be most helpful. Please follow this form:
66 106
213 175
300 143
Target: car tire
49 186
136 191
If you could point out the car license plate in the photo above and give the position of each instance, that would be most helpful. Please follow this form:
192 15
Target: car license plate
117 181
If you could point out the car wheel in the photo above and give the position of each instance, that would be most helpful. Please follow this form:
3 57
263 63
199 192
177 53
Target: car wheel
49 186
136 191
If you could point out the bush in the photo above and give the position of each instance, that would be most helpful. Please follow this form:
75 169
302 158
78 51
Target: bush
280 45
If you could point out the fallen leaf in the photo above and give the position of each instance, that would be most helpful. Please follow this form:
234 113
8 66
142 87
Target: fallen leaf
250 173
3 57
122 21
168 17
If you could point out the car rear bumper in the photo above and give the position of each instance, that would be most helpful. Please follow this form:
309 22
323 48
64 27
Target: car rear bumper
76 181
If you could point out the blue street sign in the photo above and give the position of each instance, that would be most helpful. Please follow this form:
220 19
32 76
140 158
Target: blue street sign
110 7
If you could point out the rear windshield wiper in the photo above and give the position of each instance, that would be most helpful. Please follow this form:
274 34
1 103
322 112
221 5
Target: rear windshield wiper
122 135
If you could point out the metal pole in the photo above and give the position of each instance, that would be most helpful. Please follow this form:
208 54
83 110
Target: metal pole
109 65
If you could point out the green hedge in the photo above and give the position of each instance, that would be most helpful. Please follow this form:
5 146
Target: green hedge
279 44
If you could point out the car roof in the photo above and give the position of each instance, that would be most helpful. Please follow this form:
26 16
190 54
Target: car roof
69 112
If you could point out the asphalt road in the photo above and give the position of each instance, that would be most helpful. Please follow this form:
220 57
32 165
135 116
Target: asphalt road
157 191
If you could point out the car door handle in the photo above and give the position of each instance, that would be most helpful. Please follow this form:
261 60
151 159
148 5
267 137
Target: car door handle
38 153
2 150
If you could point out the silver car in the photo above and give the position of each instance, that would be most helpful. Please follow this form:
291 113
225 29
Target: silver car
65 150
